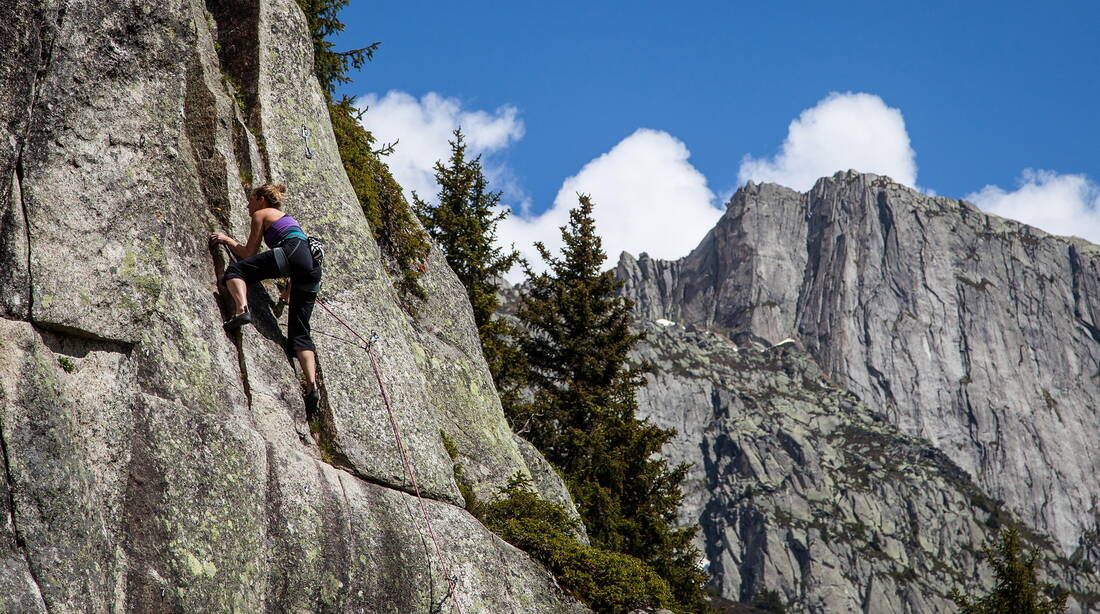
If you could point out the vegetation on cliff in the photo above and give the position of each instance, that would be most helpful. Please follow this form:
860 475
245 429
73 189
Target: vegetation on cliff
390 218
332 66
606 581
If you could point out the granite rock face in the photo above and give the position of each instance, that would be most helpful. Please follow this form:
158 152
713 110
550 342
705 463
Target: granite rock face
151 462
976 333
801 488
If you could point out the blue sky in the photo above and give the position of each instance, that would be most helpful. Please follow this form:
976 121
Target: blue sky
986 90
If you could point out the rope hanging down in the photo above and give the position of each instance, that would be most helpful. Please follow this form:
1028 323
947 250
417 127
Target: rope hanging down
452 581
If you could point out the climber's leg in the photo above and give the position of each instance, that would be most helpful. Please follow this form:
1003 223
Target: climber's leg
238 290
300 342
241 273
308 360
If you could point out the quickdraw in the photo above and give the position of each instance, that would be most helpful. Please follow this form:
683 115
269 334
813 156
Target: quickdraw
305 138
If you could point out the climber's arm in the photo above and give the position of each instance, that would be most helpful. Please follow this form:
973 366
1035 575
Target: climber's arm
255 235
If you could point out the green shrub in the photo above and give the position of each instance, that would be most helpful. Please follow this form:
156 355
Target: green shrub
608 582
391 219
67 364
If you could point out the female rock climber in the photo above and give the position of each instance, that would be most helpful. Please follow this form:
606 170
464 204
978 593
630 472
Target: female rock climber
282 234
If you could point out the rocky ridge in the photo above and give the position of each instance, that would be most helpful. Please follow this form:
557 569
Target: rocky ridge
801 488
153 463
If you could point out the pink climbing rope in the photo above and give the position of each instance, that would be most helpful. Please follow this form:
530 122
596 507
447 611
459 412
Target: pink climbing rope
452 581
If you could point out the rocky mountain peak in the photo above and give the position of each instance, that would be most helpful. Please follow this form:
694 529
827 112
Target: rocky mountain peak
972 332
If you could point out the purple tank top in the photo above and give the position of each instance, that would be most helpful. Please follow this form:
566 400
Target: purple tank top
274 234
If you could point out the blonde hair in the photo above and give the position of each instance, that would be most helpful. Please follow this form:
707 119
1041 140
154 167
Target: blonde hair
272 193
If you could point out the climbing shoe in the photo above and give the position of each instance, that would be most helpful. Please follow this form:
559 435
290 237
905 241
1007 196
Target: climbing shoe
312 398
238 321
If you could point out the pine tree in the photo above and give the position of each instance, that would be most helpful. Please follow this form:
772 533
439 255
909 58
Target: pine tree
331 67
464 223
577 337
1018 589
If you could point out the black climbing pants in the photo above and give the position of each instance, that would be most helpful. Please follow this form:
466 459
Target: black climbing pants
302 273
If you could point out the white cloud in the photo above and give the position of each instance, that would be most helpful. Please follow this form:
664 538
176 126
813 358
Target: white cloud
1059 204
648 198
843 131
424 128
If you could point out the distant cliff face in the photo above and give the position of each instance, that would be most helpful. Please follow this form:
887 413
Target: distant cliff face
152 463
974 332
802 489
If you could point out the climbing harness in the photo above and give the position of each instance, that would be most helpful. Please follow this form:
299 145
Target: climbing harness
283 264
452 580
281 261
305 138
